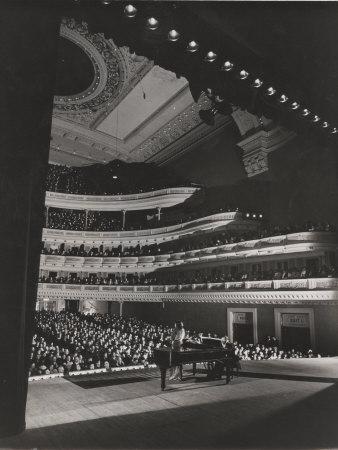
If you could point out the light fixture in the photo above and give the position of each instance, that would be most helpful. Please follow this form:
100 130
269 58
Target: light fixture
243 74
295 105
209 92
227 66
208 115
334 130
305 112
325 124
247 215
115 177
270 91
192 46
257 83
173 35
315 119
211 57
106 2
283 98
130 11
254 216
261 216
152 23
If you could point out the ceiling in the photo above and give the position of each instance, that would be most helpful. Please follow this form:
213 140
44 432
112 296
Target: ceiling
139 96
113 104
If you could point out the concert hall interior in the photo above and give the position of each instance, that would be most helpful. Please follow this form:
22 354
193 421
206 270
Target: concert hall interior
169 192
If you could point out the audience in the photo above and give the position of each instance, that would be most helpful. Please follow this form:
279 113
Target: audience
185 244
113 178
69 219
66 342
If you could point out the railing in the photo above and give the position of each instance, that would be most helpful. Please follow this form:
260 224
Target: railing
264 285
163 198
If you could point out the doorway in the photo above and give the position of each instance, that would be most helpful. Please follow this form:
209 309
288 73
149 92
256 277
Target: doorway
72 305
242 325
294 328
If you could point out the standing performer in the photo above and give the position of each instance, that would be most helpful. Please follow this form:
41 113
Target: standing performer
176 344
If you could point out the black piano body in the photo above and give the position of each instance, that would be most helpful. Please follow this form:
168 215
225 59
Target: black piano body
193 353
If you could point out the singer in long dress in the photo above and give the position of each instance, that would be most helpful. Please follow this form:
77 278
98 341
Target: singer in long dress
177 338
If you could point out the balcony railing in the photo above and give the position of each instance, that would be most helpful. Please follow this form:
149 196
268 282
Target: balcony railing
163 198
262 285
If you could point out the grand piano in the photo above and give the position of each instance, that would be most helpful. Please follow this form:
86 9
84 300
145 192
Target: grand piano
210 352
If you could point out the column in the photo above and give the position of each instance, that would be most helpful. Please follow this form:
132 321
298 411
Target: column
86 220
123 218
158 213
28 44
121 308
47 217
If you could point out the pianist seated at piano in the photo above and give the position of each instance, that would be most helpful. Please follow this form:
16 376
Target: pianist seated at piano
177 339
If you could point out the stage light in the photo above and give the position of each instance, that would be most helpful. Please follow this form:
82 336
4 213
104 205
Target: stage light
152 23
243 74
227 66
254 216
295 105
283 98
173 35
261 216
130 11
305 112
316 119
270 91
208 115
211 57
193 46
247 215
257 83
325 125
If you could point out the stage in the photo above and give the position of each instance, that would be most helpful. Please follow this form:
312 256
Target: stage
272 404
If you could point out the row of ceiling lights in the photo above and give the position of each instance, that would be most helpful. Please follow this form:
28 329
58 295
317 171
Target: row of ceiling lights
152 24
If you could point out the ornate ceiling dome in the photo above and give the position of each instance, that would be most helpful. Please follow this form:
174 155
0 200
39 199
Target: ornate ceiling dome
90 73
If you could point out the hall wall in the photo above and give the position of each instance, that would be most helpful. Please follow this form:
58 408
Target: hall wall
212 317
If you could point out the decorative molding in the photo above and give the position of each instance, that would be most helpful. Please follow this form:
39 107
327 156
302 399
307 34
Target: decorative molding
257 147
107 293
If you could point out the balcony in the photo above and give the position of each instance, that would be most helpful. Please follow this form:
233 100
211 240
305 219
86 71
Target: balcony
163 198
147 236
276 248
295 291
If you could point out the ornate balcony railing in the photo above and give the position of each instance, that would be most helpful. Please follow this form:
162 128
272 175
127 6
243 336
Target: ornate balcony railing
266 291
163 198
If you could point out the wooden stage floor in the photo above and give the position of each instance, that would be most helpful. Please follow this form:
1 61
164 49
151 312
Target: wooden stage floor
272 405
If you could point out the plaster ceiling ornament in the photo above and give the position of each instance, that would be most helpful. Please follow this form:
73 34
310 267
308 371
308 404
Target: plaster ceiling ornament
116 72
